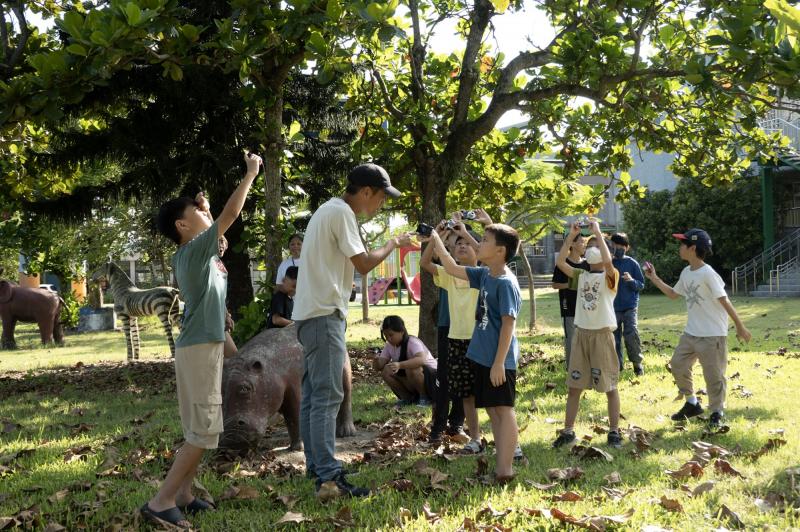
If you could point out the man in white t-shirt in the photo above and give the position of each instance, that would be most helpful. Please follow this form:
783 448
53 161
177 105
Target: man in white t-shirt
706 333
332 251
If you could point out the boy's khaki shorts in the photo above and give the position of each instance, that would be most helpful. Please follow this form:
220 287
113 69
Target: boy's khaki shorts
198 374
593 362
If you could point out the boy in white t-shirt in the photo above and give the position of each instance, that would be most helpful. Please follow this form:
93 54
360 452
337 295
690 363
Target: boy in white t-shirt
593 362
706 333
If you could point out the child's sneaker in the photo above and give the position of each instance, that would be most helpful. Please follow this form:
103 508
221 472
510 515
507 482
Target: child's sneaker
519 456
615 439
715 420
402 402
688 410
564 438
473 447
424 402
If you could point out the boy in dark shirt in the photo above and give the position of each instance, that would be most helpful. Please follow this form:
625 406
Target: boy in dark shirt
280 309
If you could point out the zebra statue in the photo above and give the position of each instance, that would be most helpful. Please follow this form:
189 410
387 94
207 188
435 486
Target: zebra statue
131 302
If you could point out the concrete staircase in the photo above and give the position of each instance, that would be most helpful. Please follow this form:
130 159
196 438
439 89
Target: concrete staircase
783 283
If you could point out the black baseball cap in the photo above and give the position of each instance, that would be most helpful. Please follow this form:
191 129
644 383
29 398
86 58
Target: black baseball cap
372 175
695 237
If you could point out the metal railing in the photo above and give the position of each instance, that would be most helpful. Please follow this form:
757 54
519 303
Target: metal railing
781 270
747 276
774 122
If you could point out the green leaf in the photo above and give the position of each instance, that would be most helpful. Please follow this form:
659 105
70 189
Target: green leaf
294 132
175 72
77 49
325 75
500 5
334 10
316 43
98 37
789 15
72 23
376 11
133 14
190 31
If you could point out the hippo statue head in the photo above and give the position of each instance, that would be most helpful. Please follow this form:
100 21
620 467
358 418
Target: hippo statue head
263 379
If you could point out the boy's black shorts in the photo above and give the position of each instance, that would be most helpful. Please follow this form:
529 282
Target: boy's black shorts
486 395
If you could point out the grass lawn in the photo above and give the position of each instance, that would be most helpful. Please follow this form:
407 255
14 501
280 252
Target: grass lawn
85 438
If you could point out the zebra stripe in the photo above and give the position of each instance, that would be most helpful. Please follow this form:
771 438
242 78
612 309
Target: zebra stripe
131 302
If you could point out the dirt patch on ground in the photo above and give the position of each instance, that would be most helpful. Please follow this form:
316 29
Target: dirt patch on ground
348 450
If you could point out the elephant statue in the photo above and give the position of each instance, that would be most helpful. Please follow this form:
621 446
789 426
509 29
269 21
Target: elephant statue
31 305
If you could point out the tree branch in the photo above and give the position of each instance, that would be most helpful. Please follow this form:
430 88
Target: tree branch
4 33
24 34
417 54
480 17
387 99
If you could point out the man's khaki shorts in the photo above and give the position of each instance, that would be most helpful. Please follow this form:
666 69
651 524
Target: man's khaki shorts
198 374
593 362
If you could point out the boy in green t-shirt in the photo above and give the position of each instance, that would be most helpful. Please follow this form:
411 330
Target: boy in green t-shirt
203 280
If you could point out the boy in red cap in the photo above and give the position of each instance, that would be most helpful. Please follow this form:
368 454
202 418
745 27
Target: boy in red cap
706 333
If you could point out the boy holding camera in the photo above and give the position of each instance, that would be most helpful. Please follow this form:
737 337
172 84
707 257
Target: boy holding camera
706 333
493 349
593 362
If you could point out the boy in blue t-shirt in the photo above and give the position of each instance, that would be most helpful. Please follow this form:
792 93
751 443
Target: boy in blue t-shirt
493 349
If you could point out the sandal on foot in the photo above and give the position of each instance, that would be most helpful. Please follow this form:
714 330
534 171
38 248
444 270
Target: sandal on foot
196 506
172 516
502 480
473 447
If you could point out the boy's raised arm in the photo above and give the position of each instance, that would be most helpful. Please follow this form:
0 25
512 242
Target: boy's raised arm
235 203
561 260
448 263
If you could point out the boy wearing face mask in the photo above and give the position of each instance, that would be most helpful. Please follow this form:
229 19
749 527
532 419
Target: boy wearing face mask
593 362
626 304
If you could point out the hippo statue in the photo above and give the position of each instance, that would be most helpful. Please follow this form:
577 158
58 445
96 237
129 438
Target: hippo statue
264 379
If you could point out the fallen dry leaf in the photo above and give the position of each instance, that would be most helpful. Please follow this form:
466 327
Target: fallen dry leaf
689 469
567 496
538 512
733 519
482 466
403 515
488 511
240 493
431 516
343 518
567 473
58 496
673 505
723 466
772 444
613 478
400 484
288 500
703 488
291 517
590 453
543 487
615 494
54 527
328 491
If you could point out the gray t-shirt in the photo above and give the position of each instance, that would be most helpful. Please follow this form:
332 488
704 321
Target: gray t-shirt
203 281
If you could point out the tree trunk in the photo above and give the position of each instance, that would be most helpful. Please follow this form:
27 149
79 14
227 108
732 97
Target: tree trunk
365 297
434 193
526 265
273 158
240 285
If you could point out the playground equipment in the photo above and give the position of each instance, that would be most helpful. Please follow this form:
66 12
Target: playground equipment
379 289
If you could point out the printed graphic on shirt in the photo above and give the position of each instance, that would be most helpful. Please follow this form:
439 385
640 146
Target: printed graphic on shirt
482 311
692 296
220 265
590 293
